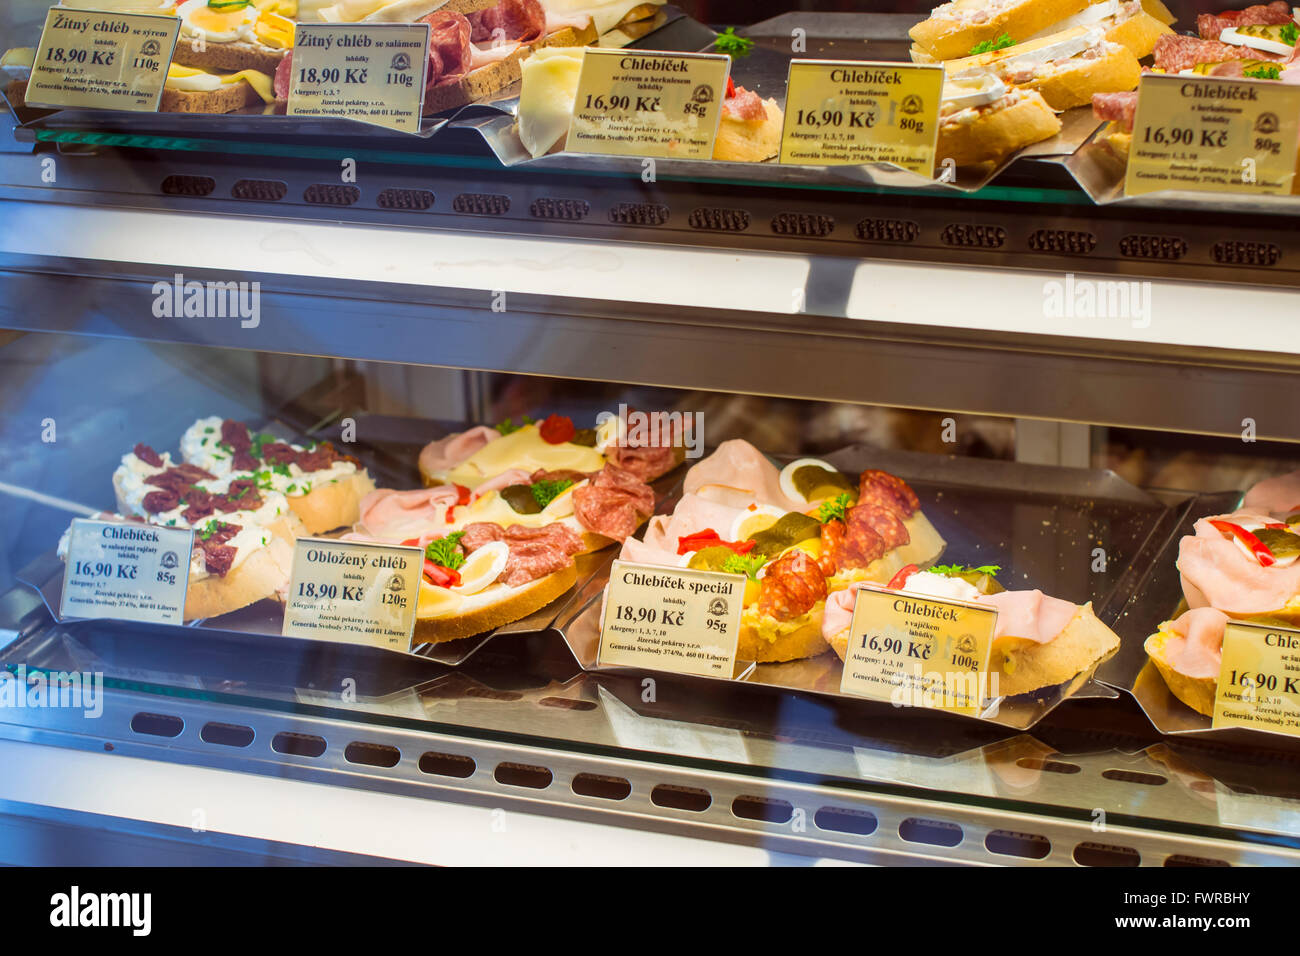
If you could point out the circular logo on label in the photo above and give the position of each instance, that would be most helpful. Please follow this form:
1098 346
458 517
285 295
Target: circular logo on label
1266 123
719 607
169 559
150 48
703 94
912 104
396 584
401 61
966 644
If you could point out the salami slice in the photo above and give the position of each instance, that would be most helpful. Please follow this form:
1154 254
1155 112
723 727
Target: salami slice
847 546
1175 53
887 491
1117 108
1210 25
522 21
646 462
449 52
792 585
884 523
613 503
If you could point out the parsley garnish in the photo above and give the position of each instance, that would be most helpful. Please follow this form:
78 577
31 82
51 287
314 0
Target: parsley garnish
1290 33
746 564
835 509
544 492
956 570
443 551
1266 72
208 530
988 46
728 42
507 426
282 469
259 441
209 430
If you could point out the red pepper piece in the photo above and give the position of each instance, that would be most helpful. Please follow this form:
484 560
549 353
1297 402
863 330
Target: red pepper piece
439 576
557 429
708 538
899 579
462 498
1256 547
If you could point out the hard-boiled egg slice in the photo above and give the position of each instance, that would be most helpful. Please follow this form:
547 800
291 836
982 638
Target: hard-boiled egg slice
787 477
612 431
435 601
482 568
752 520
216 26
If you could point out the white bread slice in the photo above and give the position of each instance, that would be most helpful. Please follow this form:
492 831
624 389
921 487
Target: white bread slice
1073 83
949 33
1020 118
804 641
259 576
745 141
514 604
1196 692
333 505
495 77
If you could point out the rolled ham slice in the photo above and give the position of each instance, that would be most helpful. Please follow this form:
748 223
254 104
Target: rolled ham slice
1217 573
738 474
1276 496
1197 651
390 515
1031 615
446 453
692 515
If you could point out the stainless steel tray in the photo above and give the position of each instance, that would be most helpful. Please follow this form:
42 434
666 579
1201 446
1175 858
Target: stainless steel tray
1041 523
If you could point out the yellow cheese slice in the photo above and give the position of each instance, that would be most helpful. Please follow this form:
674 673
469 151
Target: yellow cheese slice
523 448
550 83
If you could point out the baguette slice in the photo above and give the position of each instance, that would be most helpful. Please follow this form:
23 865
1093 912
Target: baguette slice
1022 665
950 32
1072 84
803 640
1139 33
746 141
1196 692
259 576
1020 118
495 77
513 605
333 505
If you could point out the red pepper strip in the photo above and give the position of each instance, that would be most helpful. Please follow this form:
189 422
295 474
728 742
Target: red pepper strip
462 498
439 576
708 538
1258 548
899 579
731 88
412 542
1280 525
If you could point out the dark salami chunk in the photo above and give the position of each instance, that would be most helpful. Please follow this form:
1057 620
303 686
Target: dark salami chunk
792 585
147 455
218 558
279 453
156 502
235 434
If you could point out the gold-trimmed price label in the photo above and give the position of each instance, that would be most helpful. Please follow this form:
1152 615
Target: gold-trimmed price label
353 592
1208 134
919 651
1259 680
852 112
89 59
671 619
634 103
126 571
370 72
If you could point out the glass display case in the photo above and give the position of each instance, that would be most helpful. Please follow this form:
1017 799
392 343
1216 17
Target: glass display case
1019 382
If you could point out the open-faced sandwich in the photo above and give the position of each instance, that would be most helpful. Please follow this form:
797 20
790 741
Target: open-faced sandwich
983 120
799 534
243 533
1188 653
507 513
1039 641
1244 564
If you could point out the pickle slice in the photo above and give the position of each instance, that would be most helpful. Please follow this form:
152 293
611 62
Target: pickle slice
790 529
711 558
585 437
521 499
816 483
1283 544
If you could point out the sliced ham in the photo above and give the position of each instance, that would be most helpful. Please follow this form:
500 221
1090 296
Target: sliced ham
398 515
446 453
1217 573
738 474
745 106
1277 496
692 515
1031 615
839 612
639 552
1198 649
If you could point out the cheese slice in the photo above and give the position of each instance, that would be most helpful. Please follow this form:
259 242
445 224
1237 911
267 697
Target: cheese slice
194 80
550 84
522 448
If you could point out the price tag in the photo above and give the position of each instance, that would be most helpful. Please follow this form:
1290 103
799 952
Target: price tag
919 651
1207 134
845 112
126 571
372 73
671 619
1259 679
353 592
633 103
96 60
